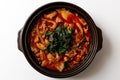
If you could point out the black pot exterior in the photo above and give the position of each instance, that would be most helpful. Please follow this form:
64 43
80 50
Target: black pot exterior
24 33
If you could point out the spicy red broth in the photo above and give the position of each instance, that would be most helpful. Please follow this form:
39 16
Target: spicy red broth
60 40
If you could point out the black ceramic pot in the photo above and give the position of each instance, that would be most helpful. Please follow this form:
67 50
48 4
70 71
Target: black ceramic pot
23 44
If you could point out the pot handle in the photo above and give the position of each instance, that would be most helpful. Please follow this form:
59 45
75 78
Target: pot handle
19 40
100 38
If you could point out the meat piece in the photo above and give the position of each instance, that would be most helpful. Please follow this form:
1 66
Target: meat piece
50 58
58 19
41 46
50 15
59 66
80 28
36 39
82 21
54 24
57 57
34 49
44 63
64 13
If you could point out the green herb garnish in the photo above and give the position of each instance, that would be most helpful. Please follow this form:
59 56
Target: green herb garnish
48 33
60 40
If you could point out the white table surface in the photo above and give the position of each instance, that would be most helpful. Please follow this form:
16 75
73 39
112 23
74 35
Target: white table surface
13 64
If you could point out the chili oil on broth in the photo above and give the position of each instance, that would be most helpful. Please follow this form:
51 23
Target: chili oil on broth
60 40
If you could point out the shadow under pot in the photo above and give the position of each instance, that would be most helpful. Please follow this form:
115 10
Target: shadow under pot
60 40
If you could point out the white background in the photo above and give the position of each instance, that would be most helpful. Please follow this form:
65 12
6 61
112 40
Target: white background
13 15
